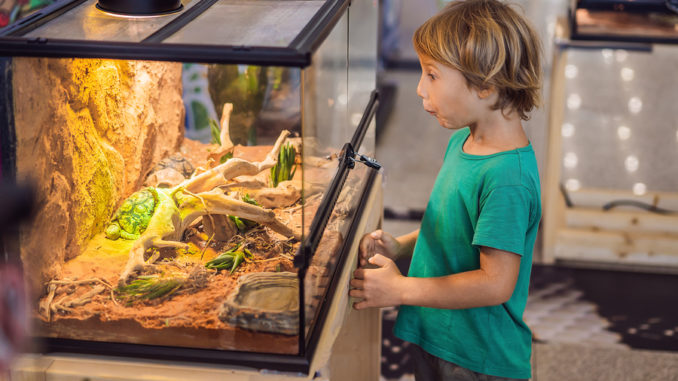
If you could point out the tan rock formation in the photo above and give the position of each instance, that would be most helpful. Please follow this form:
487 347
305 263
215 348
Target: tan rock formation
88 131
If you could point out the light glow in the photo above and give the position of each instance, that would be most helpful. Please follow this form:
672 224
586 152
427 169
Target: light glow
573 101
631 163
627 74
571 71
639 189
572 185
624 133
608 55
570 160
635 105
568 130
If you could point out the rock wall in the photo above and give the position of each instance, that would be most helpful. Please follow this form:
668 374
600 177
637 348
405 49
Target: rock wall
88 131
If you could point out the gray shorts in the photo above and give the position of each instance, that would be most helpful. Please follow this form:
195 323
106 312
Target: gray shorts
431 368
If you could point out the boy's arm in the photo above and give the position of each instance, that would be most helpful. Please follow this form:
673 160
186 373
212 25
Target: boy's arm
407 242
490 285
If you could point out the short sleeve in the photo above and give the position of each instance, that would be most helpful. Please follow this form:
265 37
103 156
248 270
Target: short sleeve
504 217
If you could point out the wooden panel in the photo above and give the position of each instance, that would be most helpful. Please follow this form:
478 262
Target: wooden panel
553 203
617 244
596 198
634 222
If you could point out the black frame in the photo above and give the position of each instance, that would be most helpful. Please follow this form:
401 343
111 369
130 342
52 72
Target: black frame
641 6
7 134
302 259
298 53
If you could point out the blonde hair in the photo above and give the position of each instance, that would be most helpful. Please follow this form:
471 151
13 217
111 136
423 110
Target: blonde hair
492 45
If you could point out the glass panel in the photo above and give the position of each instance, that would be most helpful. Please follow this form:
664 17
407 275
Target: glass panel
326 129
619 131
86 22
326 258
255 23
142 235
13 11
362 75
325 124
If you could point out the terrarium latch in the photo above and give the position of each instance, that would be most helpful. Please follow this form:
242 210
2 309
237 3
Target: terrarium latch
354 157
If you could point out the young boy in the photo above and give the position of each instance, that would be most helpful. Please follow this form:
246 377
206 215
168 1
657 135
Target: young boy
463 299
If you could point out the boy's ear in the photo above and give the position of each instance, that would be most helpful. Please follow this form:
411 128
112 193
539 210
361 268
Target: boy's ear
485 93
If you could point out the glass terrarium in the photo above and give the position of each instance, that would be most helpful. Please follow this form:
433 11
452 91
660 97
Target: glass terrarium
196 176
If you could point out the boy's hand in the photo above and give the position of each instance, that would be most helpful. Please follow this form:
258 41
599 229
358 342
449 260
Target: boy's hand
377 287
378 242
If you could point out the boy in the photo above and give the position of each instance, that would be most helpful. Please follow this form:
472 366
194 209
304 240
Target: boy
463 299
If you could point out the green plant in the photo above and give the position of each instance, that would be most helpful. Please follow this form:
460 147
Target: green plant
286 167
150 287
216 139
231 259
241 223
216 131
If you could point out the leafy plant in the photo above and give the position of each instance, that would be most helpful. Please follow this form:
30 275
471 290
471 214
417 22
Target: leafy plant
216 131
231 259
216 139
241 223
150 287
286 167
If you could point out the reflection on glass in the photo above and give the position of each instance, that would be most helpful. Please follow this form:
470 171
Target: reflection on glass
567 130
624 133
627 74
573 101
639 189
12 11
570 160
635 105
572 185
86 22
621 55
631 163
325 259
608 55
571 71
603 130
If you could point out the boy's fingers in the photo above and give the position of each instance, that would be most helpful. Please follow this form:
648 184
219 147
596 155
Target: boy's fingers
360 294
359 274
379 260
360 305
365 245
357 283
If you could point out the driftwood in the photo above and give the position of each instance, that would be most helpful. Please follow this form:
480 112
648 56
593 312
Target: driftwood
227 145
232 168
201 196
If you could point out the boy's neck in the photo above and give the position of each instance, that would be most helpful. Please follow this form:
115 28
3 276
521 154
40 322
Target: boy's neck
497 133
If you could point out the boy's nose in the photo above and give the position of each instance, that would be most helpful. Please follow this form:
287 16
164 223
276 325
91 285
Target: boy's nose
420 89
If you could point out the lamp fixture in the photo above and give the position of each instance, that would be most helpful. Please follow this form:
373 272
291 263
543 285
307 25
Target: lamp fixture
140 7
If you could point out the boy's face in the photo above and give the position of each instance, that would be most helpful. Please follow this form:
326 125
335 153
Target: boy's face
447 96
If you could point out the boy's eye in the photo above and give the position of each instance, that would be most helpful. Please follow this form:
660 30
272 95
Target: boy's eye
431 76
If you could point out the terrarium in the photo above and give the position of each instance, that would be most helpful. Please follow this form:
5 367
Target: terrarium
199 173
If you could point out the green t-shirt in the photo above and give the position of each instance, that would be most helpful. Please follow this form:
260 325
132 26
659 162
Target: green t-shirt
492 200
